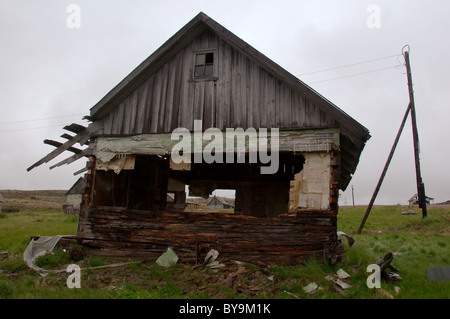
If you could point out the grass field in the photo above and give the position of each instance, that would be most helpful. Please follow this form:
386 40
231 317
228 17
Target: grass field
418 244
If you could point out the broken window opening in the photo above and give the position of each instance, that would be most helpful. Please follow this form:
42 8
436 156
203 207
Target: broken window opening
143 188
204 64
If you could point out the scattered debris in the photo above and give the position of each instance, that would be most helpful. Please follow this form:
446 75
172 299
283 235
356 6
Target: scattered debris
39 246
291 294
168 259
409 212
342 284
350 240
211 255
391 276
339 284
342 274
311 288
231 278
439 273
385 263
211 261
397 290
3 255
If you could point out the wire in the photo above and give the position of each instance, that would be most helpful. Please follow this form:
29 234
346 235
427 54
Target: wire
356 74
31 128
349 65
41 119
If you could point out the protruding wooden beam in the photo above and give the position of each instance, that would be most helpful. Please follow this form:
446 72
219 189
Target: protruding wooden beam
75 128
66 136
81 138
58 144
73 158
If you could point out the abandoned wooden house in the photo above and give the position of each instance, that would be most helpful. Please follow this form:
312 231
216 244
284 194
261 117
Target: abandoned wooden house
218 202
74 197
414 200
206 77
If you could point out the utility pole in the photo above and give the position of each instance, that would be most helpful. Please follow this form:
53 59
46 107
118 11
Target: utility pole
420 185
353 196
385 169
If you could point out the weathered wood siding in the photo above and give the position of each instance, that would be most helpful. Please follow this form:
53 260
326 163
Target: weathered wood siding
288 239
243 95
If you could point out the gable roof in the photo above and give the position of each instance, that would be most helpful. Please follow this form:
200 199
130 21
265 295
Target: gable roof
183 37
1 198
223 200
78 187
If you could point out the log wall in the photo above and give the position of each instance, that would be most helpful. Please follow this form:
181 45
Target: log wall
288 239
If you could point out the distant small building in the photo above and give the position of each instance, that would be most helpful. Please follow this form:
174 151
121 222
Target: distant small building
217 202
415 200
1 201
74 197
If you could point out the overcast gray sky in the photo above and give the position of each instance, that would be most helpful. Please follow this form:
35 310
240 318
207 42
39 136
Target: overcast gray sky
51 75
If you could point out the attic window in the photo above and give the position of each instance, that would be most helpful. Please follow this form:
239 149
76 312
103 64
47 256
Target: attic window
204 64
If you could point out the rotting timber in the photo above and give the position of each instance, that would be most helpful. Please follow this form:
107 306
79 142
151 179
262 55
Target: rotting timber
288 239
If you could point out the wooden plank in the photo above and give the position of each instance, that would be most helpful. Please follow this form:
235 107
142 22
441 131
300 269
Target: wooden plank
176 101
250 102
223 114
80 137
140 108
242 97
279 97
58 144
66 136
74 128
270 100
85 169
146 125
199 100
162 107
133 110
287 107
118 119
73 158
126 119
155 103
185 118
208 105
235 91
263 108
172 74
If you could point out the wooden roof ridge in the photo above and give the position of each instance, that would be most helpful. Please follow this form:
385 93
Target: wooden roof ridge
187 34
